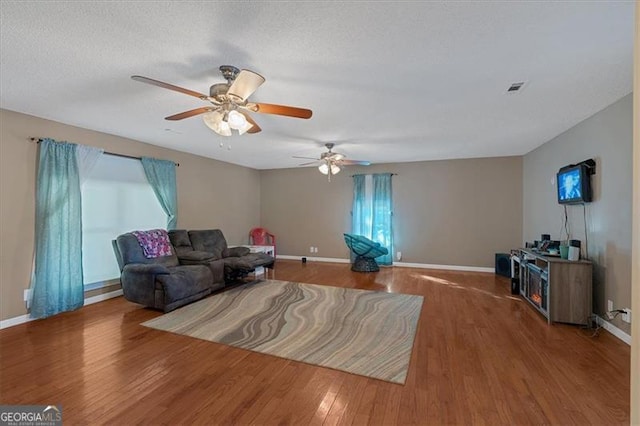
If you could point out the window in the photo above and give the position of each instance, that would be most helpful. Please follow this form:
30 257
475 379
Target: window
372 211
116 198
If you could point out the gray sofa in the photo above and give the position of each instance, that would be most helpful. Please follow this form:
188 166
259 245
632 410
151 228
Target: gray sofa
166 282
200 264
238 261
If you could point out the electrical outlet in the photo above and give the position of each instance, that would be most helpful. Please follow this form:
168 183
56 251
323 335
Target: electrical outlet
609 305
626 316
311 249
399 255
316 250
27 297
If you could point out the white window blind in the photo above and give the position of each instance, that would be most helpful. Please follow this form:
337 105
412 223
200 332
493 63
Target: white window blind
116 198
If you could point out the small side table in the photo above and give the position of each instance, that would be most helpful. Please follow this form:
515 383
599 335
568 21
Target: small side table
261 249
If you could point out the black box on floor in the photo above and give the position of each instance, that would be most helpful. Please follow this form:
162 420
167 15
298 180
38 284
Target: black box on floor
503 264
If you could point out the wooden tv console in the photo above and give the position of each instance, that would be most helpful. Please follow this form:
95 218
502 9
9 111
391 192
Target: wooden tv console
559 289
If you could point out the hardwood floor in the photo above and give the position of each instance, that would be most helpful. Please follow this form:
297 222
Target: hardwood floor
480 356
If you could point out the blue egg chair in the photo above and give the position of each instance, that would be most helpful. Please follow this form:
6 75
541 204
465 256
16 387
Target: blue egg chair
365 252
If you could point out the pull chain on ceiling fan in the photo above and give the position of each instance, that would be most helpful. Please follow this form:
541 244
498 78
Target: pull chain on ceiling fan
230 106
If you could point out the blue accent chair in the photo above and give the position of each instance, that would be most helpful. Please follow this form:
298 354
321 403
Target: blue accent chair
365 251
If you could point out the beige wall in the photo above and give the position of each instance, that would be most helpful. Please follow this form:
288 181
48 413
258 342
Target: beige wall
211 194
606 137
453 212
635 291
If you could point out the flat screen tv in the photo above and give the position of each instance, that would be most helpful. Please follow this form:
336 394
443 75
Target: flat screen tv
574 184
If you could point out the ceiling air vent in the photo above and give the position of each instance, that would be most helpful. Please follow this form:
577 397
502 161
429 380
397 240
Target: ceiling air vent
515 87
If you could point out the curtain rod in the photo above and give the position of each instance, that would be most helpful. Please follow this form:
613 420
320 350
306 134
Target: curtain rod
115 154
392 174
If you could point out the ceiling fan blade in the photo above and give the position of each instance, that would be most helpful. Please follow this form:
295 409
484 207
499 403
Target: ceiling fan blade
244 85
354 163
255 128
168 86
306 158
283 110
309 163
189 113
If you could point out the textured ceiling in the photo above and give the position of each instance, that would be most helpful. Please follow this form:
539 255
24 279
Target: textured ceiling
387 81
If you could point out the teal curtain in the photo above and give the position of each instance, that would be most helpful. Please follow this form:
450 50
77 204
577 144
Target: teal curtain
360 223
161 174
372 211
382 214
57 282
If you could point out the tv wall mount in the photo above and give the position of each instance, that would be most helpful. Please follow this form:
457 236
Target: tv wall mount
589 164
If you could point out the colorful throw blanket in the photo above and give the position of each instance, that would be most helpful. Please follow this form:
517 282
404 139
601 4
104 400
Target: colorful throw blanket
154 243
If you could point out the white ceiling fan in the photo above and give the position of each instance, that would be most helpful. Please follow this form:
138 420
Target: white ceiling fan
330 163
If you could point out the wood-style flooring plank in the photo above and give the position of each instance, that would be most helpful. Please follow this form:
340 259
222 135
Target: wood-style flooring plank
480 356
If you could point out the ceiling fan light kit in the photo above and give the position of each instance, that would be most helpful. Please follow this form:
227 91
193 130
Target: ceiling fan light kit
224 122
214 120
236 120
326 167
230 107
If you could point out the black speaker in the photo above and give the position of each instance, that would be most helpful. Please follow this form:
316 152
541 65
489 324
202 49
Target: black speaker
503 264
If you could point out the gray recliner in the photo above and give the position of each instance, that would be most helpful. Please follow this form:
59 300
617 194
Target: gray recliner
238 261
165 282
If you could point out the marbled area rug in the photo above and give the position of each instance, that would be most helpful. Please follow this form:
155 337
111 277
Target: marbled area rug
362 332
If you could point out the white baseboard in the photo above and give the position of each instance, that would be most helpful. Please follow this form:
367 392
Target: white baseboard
613 329
400 264
313 259
101 284
102 297
15 321
88 301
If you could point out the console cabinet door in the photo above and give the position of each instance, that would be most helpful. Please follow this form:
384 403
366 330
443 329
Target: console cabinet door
570 292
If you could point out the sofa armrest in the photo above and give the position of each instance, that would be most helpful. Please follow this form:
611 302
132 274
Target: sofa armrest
146 268
139 282
195 257
236 251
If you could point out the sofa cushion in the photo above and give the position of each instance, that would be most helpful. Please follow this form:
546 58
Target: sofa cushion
179 238
236 251
237 264
195 257
180 241
249 262
259 259
210 240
